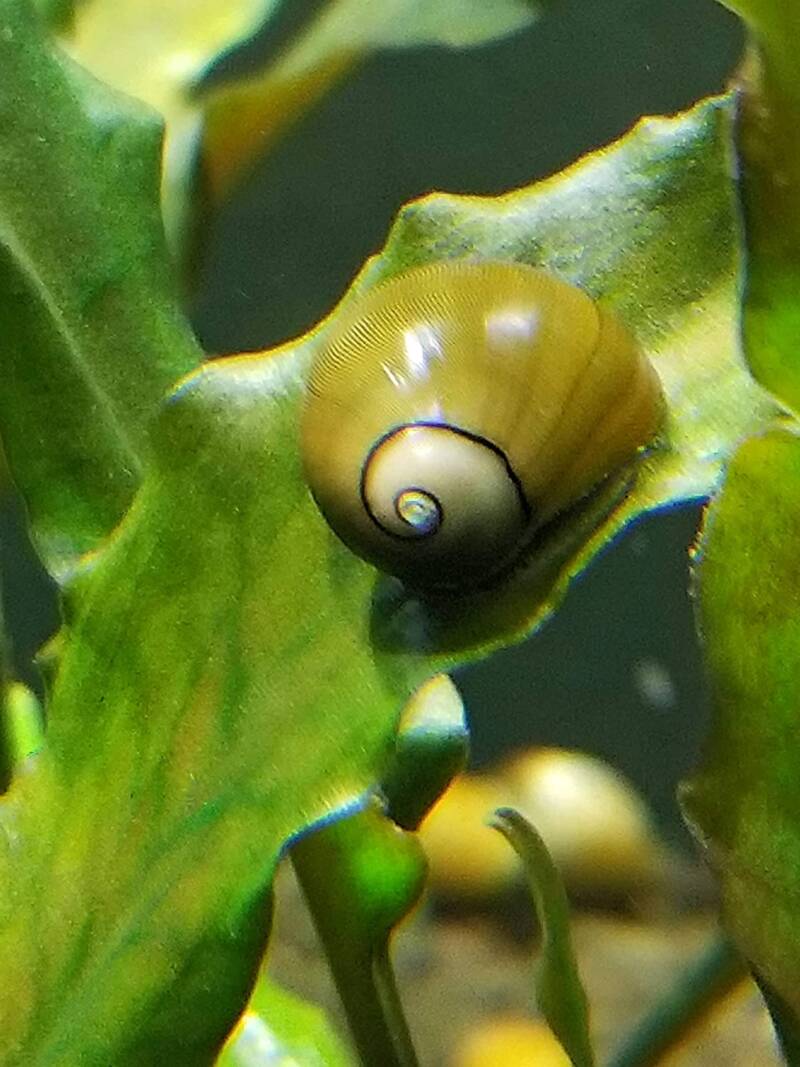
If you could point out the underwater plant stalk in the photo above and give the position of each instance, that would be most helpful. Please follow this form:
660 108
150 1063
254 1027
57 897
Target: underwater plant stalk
714 975
334 865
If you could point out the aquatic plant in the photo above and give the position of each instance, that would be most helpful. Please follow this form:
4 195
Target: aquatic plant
229 680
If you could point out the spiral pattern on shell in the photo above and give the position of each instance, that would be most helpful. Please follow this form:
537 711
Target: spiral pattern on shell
456 408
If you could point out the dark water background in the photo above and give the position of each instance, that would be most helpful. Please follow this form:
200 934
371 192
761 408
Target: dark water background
617 672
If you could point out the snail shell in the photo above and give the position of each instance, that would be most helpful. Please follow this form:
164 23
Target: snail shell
456 408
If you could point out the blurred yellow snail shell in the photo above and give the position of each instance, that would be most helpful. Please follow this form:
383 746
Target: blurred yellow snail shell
469 861
509 1041
596 826
456 408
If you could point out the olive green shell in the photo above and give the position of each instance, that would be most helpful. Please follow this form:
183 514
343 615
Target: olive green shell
455 408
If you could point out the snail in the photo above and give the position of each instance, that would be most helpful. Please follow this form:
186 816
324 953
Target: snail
455 409
597 829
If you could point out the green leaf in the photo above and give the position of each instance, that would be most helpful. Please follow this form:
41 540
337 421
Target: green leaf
90 337
159 52
279 1029
769 160
412 23
559 992
744 804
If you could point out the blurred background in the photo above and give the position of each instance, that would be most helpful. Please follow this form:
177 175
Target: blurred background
617 672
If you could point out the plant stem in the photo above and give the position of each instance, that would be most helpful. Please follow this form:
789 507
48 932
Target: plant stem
330 868
698 991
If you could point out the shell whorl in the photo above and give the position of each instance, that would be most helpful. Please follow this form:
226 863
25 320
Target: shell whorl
433 482
455 408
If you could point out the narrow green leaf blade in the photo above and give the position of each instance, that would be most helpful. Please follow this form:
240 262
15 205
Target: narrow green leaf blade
559 991
160 51
91 333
